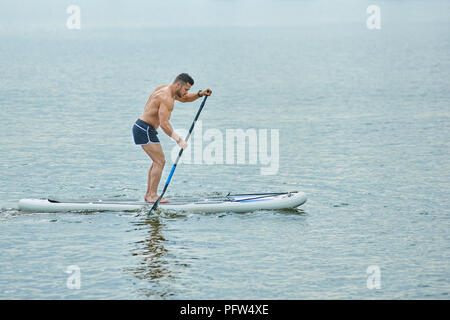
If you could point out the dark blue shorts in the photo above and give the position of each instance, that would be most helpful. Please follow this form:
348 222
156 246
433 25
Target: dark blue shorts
144 133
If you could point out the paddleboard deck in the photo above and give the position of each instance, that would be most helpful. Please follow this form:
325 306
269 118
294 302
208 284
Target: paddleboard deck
230 202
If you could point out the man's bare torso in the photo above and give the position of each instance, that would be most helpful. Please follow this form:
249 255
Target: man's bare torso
151 112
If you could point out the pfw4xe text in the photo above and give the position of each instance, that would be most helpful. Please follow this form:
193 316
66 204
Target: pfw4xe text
228 309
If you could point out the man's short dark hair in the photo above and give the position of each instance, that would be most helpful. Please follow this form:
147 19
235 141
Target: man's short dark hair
184 78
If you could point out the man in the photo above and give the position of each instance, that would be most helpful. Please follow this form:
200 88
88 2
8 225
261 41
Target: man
157 113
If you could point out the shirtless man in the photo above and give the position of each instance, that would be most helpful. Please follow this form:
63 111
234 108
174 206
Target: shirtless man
157 113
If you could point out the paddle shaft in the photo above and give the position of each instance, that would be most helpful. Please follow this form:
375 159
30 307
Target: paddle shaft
169 178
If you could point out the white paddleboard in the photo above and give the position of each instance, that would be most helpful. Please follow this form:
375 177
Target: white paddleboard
230 202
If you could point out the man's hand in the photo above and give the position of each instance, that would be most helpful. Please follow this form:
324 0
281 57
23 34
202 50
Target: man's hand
206 92
182 144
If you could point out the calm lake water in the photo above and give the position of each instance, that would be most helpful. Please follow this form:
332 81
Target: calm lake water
363 121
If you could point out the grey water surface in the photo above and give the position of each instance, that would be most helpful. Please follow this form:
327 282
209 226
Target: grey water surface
362 116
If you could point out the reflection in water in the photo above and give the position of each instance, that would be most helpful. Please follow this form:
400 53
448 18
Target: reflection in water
156 269
152 268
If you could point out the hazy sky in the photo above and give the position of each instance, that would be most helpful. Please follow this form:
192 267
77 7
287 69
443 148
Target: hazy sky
33 14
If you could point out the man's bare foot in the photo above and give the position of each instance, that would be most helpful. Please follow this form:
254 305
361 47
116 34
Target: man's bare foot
153 199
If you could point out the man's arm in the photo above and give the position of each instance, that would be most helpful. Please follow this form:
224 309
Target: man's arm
188 98
164 116
194 96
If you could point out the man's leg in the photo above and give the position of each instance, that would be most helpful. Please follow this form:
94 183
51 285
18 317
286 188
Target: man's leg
155 152
149 180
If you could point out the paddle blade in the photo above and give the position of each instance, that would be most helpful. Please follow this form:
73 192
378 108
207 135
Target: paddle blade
155 205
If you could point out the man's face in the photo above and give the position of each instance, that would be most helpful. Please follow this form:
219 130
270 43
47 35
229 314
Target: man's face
183 89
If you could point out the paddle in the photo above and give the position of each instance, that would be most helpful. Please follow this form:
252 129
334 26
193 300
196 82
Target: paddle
155 205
